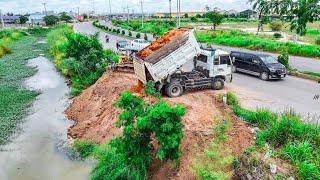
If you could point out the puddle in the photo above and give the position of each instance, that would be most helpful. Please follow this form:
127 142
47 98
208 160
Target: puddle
39 152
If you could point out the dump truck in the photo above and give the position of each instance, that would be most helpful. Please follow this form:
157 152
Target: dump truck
176 62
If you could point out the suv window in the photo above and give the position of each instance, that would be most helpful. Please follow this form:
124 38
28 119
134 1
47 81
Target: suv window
247 58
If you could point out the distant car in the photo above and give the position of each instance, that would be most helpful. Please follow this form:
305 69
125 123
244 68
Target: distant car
121 45
138 44
262 65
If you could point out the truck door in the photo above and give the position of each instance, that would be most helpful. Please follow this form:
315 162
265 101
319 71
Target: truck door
222 65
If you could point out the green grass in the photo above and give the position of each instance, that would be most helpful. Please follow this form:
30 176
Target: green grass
296 141
316 74
14 99
250 41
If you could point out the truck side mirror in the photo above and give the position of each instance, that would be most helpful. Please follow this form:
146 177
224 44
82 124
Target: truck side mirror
233 59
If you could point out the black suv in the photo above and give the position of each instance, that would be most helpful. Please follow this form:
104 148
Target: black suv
262 65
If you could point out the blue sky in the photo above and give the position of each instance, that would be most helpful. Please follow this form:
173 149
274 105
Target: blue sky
24 6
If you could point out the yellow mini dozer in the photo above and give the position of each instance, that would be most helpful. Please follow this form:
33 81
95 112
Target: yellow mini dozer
125 63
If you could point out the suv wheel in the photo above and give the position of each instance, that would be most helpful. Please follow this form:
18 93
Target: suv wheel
218 84
234 69
264 76
174 89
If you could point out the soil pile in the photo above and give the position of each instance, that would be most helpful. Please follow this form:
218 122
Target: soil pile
95 116
159 43
93 111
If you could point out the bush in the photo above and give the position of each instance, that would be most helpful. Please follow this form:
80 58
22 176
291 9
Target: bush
276 25
138 35
146 37
84 147
318 40
150 90
130 33
114 30
283 58
277 35
118 31
232 99
123 32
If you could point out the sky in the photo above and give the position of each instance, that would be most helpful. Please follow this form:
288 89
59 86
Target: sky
117 6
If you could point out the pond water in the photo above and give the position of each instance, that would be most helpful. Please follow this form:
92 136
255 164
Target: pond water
38 152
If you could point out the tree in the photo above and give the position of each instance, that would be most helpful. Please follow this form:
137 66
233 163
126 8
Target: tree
186 15
215 17
264 8
51 20
198 16
65 17
23 19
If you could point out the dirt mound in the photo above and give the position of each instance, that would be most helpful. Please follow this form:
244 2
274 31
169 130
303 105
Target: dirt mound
159 43
95 116
93 111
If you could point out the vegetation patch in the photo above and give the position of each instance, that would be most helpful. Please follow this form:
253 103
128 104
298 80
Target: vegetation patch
250 41
79 57
7 37
294 140
14 99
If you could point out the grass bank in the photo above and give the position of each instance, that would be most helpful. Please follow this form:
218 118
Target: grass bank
7 37
14 98
79 57
250 41
289 137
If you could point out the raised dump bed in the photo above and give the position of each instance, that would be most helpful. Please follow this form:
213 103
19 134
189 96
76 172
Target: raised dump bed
164 56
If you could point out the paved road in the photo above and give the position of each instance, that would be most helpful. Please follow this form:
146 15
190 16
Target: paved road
254 93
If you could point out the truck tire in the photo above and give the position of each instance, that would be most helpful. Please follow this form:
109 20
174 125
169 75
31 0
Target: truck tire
218 84
174 89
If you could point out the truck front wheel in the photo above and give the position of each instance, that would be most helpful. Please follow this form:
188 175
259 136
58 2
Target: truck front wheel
174 89
218 84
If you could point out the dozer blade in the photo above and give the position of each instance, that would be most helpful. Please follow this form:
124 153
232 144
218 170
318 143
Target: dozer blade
127 68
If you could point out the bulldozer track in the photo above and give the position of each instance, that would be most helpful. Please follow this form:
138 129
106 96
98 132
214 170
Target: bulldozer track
126 68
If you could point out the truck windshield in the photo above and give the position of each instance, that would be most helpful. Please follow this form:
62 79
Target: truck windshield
269 60
225 60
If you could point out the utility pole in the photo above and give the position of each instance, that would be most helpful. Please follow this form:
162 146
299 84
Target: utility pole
110 9
128 13
142 14
1 19
178 13
45 9
170 13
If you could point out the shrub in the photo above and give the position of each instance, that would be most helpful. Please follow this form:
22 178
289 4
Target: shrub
277 35
232 99
118 31
283 58
114 30
138 35
145 37
317 40
123 32
84 147
276 25
130 33
150 90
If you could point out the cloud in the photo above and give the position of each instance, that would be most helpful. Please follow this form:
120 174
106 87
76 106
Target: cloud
118 6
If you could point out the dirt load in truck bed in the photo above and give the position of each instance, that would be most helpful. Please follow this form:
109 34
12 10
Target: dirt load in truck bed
95 116
160 42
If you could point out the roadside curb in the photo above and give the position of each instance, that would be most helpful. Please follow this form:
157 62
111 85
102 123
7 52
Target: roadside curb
304 76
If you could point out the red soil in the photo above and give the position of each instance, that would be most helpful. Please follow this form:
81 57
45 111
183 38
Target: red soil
159 43
95 116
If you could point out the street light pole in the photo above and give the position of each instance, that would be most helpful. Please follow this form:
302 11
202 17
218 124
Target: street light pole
1 19
45 9
178 13
170 14
142 14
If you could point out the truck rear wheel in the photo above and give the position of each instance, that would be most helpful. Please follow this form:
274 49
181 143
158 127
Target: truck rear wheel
218 84
174 89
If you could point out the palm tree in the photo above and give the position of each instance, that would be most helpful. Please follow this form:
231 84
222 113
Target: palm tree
264 7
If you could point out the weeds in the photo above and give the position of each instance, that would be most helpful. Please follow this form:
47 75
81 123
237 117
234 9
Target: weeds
15 100
297 142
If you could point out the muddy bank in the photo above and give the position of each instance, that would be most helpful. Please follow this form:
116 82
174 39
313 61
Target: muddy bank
95 117
36 153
